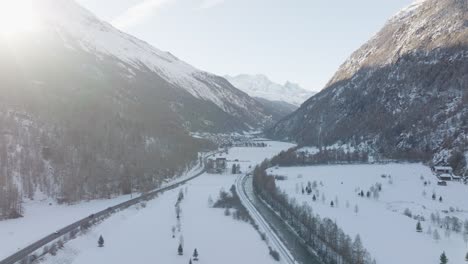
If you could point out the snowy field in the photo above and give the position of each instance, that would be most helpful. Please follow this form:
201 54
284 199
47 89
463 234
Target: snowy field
388 234
143 235
42 219
43 216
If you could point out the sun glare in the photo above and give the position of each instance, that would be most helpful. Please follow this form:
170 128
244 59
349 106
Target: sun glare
17 16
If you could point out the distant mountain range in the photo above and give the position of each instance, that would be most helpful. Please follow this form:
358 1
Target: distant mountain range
259 86
404 93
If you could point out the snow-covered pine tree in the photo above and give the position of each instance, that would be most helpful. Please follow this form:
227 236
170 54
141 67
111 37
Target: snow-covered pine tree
443 258
466 257
190 261
195 255
440 199
101 241
180 250
332 204
419 227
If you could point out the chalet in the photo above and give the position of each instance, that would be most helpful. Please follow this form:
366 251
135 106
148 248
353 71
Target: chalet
217 165
221 163
445 177
438 170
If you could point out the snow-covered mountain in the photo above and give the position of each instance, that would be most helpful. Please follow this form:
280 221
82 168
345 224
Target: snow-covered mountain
405 91
84 106
260 86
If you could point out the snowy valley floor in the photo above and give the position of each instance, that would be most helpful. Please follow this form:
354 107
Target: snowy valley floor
144 234
387 233
44 216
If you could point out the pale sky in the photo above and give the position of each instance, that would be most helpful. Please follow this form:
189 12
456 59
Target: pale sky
303 41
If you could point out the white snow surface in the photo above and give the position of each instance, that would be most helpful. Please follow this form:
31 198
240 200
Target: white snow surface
262 87
45 213
389 235
139 235
42 219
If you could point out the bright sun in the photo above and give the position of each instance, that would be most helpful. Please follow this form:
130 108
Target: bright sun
17 16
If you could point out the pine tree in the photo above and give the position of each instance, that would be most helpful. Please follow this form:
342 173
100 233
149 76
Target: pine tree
195 255
332 204
466 257
440 199
101 241
180 250
314 198
190 261
443 258
433 196
419 227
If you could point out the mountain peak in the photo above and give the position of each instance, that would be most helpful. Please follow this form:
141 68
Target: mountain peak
261 86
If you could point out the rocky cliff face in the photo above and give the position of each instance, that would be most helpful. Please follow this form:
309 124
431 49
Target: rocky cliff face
404 92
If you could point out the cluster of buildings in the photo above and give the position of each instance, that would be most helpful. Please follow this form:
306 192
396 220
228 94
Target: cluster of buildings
445 173
216 165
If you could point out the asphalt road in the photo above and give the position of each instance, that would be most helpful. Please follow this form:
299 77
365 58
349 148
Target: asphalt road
27 251
298 251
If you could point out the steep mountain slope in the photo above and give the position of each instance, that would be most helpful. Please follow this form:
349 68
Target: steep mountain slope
260 86
404 92
87 111
278 109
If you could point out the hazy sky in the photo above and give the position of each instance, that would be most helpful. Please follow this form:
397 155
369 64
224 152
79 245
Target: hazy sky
303 41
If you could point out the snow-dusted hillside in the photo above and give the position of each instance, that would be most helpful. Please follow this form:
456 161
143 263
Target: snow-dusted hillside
386 221
82 30
261 87
63 24
101 105
405 91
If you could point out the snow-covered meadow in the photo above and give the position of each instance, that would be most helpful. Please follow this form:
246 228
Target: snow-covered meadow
43 216
380 220
144 233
